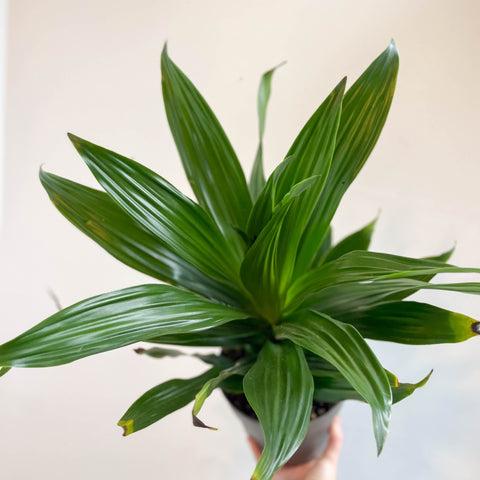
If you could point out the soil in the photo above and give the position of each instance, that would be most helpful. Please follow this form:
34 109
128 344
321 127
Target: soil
240 401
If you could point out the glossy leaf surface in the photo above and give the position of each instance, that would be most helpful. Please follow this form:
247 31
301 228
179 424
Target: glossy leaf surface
343 347
310 155
443 257
363 266
279 387
162 210
257 179
412 323
110 321
236 333
333 387
269 263
99 217
342 299
359 240
208 158
240 368
364 112
162 400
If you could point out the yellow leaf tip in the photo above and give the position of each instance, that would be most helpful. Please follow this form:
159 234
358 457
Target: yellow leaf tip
127 426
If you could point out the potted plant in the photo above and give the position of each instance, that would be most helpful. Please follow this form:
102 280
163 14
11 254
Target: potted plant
250 268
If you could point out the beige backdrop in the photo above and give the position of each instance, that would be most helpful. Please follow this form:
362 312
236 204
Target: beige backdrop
92 68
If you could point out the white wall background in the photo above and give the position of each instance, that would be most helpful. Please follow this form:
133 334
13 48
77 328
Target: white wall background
92 68
3 70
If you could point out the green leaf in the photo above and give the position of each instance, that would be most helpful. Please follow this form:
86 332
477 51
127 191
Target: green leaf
99 217
4 370
363 266
279 387
333 387
339 300
359 240
261 270
443 257
162 400
162 210
257 179
240 368
233 384
113 320
343 347
161 352
412 323
325 246
269 263
404 390
364 111
208 158
310 155
236 333
266 203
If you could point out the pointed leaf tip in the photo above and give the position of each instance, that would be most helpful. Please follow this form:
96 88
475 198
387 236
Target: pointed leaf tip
76 141
392 48
476 328
164 51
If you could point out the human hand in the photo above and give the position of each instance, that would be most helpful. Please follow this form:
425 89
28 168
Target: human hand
323 467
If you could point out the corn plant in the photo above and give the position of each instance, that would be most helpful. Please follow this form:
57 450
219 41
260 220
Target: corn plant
250 266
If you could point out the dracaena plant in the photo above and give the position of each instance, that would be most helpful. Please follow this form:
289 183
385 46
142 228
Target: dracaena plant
251 267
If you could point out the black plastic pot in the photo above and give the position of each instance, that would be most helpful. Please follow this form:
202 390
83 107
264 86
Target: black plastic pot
314 443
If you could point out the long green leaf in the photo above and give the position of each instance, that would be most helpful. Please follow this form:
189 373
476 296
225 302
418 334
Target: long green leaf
161 352
359 240
162 400
363 266
412 323
339 300
332 386
236 333
443 257
364 111
163 210
279 387
208 158
269 263
240 368
335 388
261 269
266 203
99 217
257 179
310 155
110 321
344 348
325 246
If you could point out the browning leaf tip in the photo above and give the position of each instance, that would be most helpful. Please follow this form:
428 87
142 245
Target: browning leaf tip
198 423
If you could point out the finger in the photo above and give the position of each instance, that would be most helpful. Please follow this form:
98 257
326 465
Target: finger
256 449
334 446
